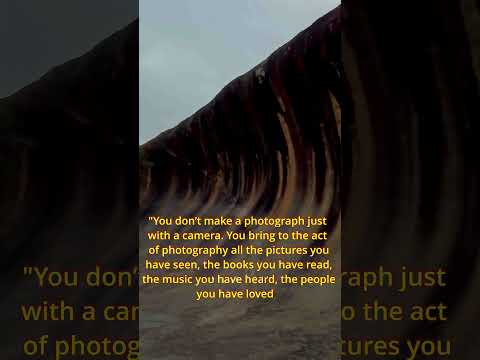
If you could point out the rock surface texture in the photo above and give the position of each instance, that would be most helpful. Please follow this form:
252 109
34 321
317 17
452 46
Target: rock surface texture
267 145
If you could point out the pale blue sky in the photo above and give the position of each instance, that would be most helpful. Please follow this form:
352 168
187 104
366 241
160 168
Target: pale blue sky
190 49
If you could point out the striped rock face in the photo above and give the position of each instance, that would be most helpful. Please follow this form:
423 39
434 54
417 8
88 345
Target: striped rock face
268 145
371 122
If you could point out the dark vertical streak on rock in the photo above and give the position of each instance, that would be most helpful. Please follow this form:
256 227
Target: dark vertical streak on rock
414 176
